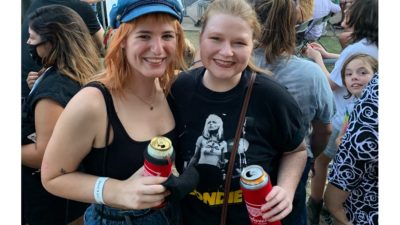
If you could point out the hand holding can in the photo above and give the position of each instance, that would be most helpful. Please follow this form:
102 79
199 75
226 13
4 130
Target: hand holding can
159 157
256 185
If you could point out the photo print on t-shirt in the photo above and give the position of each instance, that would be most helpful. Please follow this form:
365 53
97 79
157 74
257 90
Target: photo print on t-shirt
212 149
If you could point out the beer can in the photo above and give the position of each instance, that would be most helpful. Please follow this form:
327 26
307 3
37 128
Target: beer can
159 157
255 185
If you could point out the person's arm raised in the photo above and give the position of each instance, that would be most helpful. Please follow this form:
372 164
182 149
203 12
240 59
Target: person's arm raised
316 56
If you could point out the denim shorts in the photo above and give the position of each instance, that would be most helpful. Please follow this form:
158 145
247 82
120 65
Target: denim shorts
331 147
104 215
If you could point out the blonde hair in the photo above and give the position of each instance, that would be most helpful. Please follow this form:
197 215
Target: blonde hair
306 10
117 66
189 52
218 120
237 8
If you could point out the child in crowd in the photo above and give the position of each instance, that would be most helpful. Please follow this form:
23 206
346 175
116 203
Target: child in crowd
352 194
357 71
364 39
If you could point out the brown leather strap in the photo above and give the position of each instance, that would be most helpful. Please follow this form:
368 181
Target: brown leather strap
228 176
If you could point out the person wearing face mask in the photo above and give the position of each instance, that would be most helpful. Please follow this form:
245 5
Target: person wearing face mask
29 67
60 41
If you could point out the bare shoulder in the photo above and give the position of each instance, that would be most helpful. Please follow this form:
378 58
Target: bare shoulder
88 100
86 107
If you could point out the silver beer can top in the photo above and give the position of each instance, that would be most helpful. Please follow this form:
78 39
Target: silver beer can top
253 176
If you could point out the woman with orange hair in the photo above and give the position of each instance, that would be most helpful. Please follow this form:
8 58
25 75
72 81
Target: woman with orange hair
108 125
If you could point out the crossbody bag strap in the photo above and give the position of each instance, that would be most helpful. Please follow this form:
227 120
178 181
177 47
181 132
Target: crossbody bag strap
235 148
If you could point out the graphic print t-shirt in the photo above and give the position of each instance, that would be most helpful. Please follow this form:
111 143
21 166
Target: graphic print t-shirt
206 123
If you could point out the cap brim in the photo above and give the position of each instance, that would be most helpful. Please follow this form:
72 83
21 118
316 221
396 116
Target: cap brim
140 11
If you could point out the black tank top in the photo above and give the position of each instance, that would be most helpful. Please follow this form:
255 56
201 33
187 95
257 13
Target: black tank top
123 156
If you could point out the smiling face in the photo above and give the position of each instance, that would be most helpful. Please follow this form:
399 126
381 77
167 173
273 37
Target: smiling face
357 75
150 47
226 44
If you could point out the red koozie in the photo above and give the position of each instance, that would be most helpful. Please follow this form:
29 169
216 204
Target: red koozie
255 184
159 157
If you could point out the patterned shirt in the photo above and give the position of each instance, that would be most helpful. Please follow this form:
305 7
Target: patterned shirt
355 167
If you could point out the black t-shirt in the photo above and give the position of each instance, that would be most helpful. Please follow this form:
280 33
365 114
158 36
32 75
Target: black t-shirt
39 206
206 123
27 64
52 85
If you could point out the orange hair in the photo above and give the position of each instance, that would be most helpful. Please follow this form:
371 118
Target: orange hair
117 66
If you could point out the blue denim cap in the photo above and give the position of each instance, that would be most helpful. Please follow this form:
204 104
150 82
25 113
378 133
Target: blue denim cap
128 10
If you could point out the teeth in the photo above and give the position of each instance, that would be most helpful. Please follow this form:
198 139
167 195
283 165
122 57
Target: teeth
224 63
154 60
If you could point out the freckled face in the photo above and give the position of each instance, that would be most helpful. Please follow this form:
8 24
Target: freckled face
151 47
226 44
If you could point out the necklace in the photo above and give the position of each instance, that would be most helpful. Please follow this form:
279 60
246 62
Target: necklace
150 104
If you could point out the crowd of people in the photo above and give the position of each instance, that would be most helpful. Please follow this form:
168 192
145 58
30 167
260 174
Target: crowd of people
90 108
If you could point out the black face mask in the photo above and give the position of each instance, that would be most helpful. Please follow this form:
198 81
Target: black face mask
32 51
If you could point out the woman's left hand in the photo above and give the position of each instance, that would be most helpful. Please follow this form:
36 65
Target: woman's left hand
278 206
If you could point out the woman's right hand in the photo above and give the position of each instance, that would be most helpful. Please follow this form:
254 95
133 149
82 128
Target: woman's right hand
31 79
311 53
138 192
320 49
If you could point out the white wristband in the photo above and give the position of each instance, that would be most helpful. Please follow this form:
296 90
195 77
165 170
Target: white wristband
98 190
